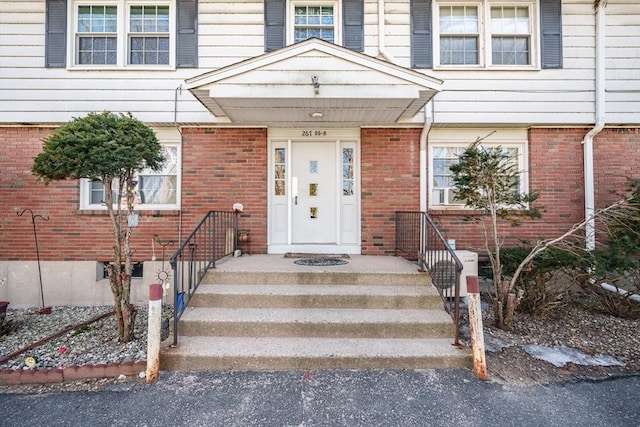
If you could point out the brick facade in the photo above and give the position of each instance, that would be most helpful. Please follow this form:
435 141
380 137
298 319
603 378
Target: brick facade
222 166
390 176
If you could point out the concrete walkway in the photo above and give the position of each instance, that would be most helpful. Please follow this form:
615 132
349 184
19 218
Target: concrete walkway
355 264
451 397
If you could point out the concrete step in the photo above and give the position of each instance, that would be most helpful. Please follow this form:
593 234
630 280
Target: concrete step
214 276
317 296
295 322
361 317
252 353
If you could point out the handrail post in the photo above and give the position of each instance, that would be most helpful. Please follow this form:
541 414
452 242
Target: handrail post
174 266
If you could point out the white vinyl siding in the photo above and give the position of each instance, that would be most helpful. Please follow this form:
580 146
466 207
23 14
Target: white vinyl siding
230 32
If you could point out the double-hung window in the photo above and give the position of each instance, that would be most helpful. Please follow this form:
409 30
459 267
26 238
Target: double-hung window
485 34
459 35
510 35
97 35
314 21
148 37
443 154
120 33
154 189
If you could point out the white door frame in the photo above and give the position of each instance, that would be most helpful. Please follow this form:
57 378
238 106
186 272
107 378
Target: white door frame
280 242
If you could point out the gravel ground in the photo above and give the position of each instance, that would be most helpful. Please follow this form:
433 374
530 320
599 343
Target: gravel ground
508 361
96 343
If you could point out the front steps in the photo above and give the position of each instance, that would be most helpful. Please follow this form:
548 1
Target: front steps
314 320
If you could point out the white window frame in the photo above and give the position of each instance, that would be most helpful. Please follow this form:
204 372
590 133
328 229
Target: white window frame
123 34
85 189
337 17
485 35
523 162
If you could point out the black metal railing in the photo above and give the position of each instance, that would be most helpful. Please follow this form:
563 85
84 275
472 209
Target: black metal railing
213 238
418 239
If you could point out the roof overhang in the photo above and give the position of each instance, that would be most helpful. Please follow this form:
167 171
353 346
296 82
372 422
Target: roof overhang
314 83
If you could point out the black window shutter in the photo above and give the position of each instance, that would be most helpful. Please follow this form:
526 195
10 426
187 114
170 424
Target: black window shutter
551 33
187 34
353 24
274 21
421 34
56 34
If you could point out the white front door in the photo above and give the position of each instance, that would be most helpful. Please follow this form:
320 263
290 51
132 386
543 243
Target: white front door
313 192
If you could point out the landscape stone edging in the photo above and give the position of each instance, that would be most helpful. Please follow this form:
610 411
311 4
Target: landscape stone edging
70 373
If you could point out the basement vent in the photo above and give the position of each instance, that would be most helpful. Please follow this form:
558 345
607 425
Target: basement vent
136 273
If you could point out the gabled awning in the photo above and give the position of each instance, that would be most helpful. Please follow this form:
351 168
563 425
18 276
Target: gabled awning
314 83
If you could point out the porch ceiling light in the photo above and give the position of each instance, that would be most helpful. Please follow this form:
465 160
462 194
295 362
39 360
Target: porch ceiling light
317 115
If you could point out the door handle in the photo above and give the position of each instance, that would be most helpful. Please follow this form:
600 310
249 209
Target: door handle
294 189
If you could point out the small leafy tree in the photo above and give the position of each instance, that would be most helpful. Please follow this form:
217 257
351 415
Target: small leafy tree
487 179
108 148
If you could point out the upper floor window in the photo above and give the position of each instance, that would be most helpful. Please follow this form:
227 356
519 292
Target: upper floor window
154 189
459 35
489 34
122 33
97 34
335 21
485 34
314 21
149 35
510 35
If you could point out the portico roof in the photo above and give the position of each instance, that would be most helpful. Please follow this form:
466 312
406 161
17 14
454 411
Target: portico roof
314 83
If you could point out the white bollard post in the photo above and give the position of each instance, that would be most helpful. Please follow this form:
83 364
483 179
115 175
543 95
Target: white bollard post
475 325
153 332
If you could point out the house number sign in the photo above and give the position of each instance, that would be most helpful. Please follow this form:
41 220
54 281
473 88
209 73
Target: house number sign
314 133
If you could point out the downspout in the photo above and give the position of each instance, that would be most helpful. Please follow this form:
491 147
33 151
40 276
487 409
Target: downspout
175 123
587 142
382 48
426 128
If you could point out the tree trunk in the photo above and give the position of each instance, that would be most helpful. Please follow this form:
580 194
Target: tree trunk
509 312
499 314
128 321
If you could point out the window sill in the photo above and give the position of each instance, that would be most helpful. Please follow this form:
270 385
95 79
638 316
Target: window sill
145 212
455 211
121 68
484 68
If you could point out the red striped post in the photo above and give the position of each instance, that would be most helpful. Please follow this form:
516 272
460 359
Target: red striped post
475 325
153 332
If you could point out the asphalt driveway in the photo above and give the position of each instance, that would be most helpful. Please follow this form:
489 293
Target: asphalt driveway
331 398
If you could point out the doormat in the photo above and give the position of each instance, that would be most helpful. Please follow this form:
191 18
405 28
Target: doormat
320 261
311 256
